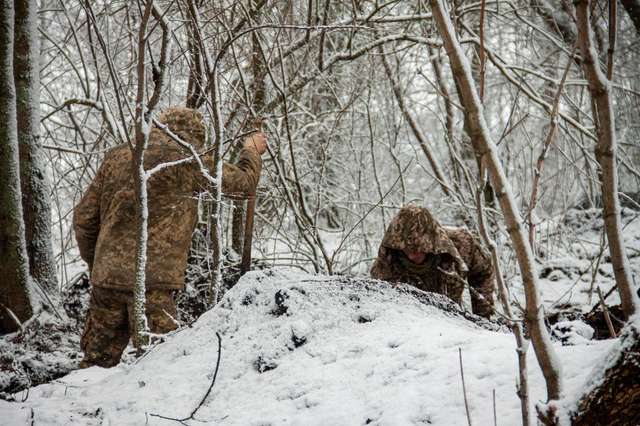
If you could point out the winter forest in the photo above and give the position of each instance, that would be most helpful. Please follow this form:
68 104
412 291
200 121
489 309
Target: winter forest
198 201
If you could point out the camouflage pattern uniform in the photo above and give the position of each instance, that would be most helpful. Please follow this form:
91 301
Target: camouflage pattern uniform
104 223
454 258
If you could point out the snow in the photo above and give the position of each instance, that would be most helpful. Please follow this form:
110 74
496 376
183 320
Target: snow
301 349
567 273
595 377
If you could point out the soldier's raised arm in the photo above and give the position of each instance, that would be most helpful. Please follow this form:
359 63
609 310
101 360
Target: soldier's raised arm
238 179
242 178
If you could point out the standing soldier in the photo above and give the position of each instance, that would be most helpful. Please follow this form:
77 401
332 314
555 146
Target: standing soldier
104 223
417 250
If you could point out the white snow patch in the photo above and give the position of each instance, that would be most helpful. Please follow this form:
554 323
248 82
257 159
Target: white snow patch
333 350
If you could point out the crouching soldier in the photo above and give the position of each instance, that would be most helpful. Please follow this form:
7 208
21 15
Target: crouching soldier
417 250
104 223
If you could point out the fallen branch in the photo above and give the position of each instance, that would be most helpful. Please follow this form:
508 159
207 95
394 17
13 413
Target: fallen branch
607 318
206 395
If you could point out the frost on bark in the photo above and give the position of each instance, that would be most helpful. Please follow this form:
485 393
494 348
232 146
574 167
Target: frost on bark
35 188
486 150
143 120
606 147
14 267
612 397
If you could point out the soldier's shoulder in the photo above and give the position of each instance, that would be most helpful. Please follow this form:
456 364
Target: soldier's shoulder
118 154
116 160
458 233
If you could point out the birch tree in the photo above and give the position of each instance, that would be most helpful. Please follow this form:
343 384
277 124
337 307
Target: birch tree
612 395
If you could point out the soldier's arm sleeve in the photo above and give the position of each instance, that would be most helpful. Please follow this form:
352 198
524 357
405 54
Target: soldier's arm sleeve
240 178
86 219
481 280
381 269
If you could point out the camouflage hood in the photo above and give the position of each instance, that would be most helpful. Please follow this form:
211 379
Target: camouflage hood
415 229
186 123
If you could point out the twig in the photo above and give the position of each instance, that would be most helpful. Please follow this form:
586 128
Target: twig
464 388
609 292
607 318
12 316
206 395
495 413
597 267
369 211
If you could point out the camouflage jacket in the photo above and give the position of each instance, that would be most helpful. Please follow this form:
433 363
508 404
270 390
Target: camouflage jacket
455 257
105 218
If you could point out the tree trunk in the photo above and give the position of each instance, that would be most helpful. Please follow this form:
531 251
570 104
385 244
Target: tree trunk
486 150
237 225
613 393
602 106
141 329
35 188
15 294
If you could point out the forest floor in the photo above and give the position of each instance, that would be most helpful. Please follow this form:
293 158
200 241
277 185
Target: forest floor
310 349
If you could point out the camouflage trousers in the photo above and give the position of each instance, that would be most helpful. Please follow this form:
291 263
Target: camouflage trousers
110 323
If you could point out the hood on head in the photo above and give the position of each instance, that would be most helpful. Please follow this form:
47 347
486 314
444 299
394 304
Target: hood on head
187 123
415 229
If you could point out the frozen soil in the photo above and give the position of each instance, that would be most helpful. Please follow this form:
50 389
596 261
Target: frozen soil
301 349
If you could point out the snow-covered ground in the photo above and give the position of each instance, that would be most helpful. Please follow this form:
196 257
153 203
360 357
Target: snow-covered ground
574 248
301 349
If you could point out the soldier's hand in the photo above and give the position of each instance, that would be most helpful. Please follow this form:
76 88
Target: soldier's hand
257 141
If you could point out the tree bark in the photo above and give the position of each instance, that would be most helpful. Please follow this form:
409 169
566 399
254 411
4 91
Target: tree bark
36 203
613 393
141 328
486 150
606 147
15 291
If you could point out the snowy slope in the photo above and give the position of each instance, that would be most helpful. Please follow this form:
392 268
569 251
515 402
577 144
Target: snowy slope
300 349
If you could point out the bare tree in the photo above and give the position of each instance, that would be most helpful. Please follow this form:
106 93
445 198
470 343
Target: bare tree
33 174
486 150
15 285
143 124
612 394
606 152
